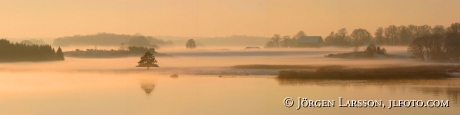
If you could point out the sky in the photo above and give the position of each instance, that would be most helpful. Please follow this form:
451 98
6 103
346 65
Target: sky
215 18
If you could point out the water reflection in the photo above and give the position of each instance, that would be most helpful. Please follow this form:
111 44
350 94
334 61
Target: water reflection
453 93
424 82
147 87
449 88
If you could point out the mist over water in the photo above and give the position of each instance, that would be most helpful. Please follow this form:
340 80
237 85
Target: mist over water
203 59
206 84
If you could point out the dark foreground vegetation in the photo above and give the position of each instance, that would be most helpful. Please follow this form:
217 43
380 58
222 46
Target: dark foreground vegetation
13 52
413 72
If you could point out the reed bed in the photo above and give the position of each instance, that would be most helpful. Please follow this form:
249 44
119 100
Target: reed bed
414 72
263 66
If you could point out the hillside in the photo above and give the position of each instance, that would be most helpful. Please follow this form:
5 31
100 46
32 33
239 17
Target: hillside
110 39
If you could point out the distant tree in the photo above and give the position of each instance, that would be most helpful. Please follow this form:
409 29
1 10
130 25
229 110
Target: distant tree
360 36
405 36
11 52
59 54
452 41
27 42
139 40
340 38
330 39
286 42
122 47
417 49
299 35
374 49
148 60
383 51
438 29
391 35
371 49
436 44
190 44
423 30
108 39
276 40
379 38
379 50
295 38
269 44
427 47
37 41
135 49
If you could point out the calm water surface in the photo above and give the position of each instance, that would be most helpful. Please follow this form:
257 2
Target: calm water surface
99 93
115 87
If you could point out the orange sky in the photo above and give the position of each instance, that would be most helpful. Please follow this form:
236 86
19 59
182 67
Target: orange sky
210 18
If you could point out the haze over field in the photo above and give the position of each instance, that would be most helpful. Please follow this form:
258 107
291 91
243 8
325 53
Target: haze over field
211 18
212 61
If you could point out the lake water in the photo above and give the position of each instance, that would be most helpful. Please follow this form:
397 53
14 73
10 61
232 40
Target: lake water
116 87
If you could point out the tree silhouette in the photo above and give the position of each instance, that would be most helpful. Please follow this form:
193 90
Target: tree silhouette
148 60
110 39
360 36
59 54
190 44
12 52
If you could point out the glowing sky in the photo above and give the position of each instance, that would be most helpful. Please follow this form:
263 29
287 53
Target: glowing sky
209 18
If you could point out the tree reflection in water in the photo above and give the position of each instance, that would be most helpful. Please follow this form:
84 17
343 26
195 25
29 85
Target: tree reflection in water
148 87
436 87
453 93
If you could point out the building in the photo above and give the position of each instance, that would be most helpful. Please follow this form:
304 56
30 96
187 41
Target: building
311 41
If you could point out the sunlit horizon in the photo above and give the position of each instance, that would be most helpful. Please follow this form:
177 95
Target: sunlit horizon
210 18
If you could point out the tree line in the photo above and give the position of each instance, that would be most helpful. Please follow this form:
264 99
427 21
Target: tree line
440 45
391 35
285 42
110 39
134 49
11 52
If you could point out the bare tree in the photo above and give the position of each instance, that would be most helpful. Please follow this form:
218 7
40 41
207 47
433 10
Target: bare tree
379 38
438 29
392 34
417 49
452 41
